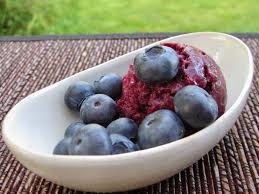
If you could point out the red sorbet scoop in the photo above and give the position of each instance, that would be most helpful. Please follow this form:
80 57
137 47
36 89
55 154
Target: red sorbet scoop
196 68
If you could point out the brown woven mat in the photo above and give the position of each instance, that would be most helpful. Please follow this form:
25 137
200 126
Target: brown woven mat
27 66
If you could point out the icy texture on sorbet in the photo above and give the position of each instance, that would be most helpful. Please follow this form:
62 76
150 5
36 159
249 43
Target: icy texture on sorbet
196 68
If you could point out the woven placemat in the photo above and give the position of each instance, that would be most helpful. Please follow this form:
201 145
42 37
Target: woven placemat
29 65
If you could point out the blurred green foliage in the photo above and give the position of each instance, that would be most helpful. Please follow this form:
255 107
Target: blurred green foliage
14 16
31 17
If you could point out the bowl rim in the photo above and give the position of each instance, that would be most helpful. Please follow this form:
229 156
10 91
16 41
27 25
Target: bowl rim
150 151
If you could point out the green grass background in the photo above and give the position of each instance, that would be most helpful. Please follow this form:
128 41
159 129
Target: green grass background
31 17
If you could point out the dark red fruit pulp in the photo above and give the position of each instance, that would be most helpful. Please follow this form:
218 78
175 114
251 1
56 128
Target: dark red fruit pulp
196 68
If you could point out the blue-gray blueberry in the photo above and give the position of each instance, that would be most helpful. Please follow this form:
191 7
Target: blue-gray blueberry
98 108
123 126
76 94
62 147
160 127
121 144
195 106
157 64
73 128
92 139
109 84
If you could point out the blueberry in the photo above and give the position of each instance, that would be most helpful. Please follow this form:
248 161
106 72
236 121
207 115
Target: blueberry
73 128
195 106
121 144
62 147
123 126
157 64
158 128
76 94
92 139
98 108
109 84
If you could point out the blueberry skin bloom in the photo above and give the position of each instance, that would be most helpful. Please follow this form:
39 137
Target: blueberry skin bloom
195 106
121 144
158 128
98 108
76 94
92 139
62 147
123 126
109 84
157 64
73 128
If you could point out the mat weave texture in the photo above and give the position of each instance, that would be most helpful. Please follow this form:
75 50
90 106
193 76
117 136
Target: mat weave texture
27 66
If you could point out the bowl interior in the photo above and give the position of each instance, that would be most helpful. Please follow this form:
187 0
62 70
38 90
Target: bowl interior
38 122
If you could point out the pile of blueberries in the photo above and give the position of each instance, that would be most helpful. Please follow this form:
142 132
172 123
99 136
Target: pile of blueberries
102 132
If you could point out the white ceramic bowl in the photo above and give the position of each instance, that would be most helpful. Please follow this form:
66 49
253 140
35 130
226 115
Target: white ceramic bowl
33 127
